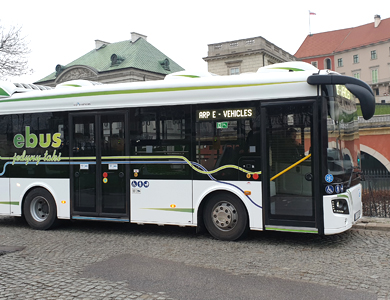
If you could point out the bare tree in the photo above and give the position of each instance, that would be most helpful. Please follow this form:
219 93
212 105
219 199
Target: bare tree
13 52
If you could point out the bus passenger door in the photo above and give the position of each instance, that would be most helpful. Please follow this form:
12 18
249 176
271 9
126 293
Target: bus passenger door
290 147
99 166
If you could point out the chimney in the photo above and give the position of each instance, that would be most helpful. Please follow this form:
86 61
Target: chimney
377 19
99 44
135 36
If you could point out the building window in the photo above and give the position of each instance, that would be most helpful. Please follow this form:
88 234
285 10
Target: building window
250 42
234 71
383 101
356 75
218 46
356 59
373 54
328 64
340 62
315 63
374 75
233 44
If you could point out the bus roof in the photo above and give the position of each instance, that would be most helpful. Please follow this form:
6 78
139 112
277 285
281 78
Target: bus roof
279 81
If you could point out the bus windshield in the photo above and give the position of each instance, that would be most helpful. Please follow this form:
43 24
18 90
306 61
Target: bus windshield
343 150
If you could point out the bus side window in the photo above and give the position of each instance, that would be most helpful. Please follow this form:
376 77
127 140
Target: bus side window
162 132
239 140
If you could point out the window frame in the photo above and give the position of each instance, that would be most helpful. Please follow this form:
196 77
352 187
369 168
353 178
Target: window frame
326 60
374 75
374 55
237 71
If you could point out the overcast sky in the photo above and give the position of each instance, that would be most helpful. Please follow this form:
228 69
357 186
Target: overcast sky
61 31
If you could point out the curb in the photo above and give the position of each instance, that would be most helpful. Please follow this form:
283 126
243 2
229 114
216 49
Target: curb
368 223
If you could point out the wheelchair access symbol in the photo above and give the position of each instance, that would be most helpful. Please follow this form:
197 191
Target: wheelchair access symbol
329 189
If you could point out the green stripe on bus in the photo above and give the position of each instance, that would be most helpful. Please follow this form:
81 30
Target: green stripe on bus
292 69
292 230
186 210
10 202
189 76
141 91
342 196
158 157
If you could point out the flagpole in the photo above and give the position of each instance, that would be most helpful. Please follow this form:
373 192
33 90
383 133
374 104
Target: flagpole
310 13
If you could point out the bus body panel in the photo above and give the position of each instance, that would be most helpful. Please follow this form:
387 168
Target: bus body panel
253 202
5 204
336 223
59 188
356 198
161 201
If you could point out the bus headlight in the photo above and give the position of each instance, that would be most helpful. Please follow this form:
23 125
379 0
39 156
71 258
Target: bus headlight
340 206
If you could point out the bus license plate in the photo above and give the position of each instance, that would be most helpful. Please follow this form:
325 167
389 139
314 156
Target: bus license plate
357 215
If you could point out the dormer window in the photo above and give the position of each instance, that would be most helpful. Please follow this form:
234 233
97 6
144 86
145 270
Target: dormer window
165 64
116 60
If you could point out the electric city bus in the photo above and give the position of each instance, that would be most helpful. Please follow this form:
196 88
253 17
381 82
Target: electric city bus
274 150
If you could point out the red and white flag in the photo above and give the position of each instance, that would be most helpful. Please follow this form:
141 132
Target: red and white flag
312 13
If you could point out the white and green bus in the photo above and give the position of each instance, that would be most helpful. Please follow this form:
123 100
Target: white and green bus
273 150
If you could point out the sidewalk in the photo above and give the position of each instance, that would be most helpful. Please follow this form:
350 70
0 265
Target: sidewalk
371 223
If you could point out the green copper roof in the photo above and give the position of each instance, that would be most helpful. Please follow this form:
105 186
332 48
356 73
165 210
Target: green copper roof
140 55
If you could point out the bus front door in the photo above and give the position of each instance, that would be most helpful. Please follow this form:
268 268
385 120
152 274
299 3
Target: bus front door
289 145
98 166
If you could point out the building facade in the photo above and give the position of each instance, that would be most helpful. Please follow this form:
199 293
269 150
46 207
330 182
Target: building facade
243 56
126 61
362 52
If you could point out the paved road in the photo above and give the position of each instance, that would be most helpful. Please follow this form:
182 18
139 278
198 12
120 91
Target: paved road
115 261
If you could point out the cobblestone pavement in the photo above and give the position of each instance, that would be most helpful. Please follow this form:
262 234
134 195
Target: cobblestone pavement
49 264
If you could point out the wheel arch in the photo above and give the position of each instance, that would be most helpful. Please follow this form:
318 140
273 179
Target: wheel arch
199 216
32 187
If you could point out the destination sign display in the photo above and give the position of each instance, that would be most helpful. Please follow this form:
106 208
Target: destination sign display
225 114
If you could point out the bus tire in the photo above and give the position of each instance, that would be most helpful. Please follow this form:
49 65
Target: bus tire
225 217
39 209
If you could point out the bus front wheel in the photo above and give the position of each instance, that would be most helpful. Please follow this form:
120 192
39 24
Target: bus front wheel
225 217
40 209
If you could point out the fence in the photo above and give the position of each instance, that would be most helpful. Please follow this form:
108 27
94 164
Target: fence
376 194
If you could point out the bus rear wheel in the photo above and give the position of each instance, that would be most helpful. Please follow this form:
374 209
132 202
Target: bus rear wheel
225 217
40 209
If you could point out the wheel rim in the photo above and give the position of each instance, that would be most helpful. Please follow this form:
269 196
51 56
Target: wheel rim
224 216
39 209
